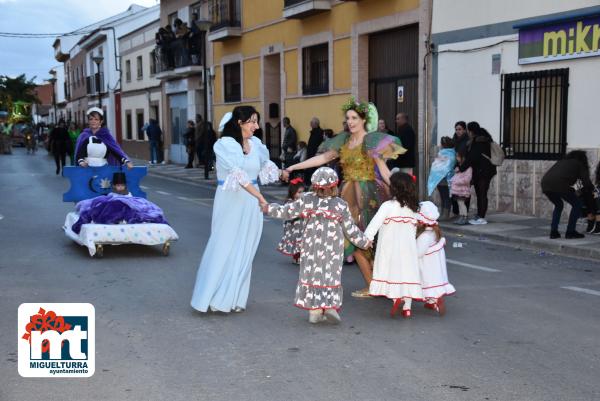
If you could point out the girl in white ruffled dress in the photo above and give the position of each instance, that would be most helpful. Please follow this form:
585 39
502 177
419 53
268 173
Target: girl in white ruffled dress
396 269
432 259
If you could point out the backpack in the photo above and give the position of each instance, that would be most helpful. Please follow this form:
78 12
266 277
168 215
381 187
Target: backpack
496 154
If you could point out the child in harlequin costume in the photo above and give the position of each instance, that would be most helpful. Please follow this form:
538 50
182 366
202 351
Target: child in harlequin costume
327 219
432 259
292 229
396 269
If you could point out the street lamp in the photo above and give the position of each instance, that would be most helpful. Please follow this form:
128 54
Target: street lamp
53 82
98 60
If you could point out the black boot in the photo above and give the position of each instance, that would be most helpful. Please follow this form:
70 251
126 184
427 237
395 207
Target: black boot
554 234
596 229
573 235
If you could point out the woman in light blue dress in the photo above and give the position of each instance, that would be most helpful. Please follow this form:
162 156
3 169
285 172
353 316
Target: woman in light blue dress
223 278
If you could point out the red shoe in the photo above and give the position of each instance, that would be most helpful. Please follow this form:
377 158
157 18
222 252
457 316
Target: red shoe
406 313
441 306
397 304
428 305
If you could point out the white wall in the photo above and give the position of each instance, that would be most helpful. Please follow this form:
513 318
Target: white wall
450 15
467 90
132 104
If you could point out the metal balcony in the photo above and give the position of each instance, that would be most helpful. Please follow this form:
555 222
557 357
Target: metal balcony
304 8
226 20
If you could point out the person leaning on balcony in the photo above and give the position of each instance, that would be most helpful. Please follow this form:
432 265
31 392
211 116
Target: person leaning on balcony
195 40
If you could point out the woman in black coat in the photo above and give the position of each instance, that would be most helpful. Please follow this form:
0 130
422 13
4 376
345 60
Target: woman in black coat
478 158
557 185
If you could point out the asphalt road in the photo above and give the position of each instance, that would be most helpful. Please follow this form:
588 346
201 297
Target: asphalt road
512 331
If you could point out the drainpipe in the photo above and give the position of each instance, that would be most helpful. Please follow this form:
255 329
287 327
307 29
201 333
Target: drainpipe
426 129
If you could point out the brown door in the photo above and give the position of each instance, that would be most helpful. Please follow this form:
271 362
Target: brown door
394 64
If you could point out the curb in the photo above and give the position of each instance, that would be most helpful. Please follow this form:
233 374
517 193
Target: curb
530 243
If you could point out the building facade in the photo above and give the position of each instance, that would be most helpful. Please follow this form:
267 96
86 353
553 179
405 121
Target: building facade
181 66
141 98
304 59
92 71
527 72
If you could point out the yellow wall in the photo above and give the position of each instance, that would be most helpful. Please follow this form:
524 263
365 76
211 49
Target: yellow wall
291 72
255 13
328 109
218 96
251 78
341 64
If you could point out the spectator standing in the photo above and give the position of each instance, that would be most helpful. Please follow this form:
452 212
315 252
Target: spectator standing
60 145
406 134
154 134
478 157
290 142
199 133
208 139
461 144
382 127
190 143
314 141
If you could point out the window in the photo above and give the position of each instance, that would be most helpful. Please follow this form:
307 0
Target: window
140 71
534 114
128 71
152 62
195 8
128 124
231 74
140 124
315 69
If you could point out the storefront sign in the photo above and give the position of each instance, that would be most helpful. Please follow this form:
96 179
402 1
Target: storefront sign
401 94
560 41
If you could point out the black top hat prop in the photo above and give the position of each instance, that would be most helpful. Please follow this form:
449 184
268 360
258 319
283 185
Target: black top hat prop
119 178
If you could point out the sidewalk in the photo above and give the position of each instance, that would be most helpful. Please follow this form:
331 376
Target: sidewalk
529 232
195 176
512 229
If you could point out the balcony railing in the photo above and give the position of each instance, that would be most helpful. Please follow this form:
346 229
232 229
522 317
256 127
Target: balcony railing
225 13
94 83
304 8
182 52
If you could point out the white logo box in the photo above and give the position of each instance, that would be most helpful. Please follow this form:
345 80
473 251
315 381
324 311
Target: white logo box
80 364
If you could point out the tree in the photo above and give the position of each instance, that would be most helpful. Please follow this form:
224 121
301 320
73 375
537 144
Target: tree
16 89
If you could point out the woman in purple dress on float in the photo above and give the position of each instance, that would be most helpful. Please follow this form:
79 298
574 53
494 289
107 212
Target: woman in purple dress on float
96 147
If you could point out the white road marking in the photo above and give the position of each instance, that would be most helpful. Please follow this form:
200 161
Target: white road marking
144 187
183 198
476 267
163 193
584 290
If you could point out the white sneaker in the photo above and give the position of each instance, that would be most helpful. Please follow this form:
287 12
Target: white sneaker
478 221
332 316
316 316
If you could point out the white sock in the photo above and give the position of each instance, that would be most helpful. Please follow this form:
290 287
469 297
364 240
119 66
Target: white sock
407 304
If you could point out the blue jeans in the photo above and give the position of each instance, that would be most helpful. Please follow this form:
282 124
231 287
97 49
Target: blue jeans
154 151
557 199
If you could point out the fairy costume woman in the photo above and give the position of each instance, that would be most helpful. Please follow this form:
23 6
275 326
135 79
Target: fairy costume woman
362 154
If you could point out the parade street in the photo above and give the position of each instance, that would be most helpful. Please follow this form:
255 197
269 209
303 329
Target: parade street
521 326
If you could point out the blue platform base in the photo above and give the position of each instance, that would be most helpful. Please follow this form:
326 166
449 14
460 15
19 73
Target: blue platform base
90 182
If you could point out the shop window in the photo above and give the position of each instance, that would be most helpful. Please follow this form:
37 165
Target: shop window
315 69
231 73
534 114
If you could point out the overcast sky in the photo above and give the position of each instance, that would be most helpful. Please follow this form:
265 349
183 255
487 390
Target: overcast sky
35 57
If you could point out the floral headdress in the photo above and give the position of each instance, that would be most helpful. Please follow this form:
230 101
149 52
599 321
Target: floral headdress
368 109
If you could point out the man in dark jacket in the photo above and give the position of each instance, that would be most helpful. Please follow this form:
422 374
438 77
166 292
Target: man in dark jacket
154 134
557 185
200 130
60 144
208 139
290 142
314 141
405 162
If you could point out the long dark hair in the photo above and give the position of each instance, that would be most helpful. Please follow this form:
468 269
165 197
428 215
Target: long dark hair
295 185
404 190
232 128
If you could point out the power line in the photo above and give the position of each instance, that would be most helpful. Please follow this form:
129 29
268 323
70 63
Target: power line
26 35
